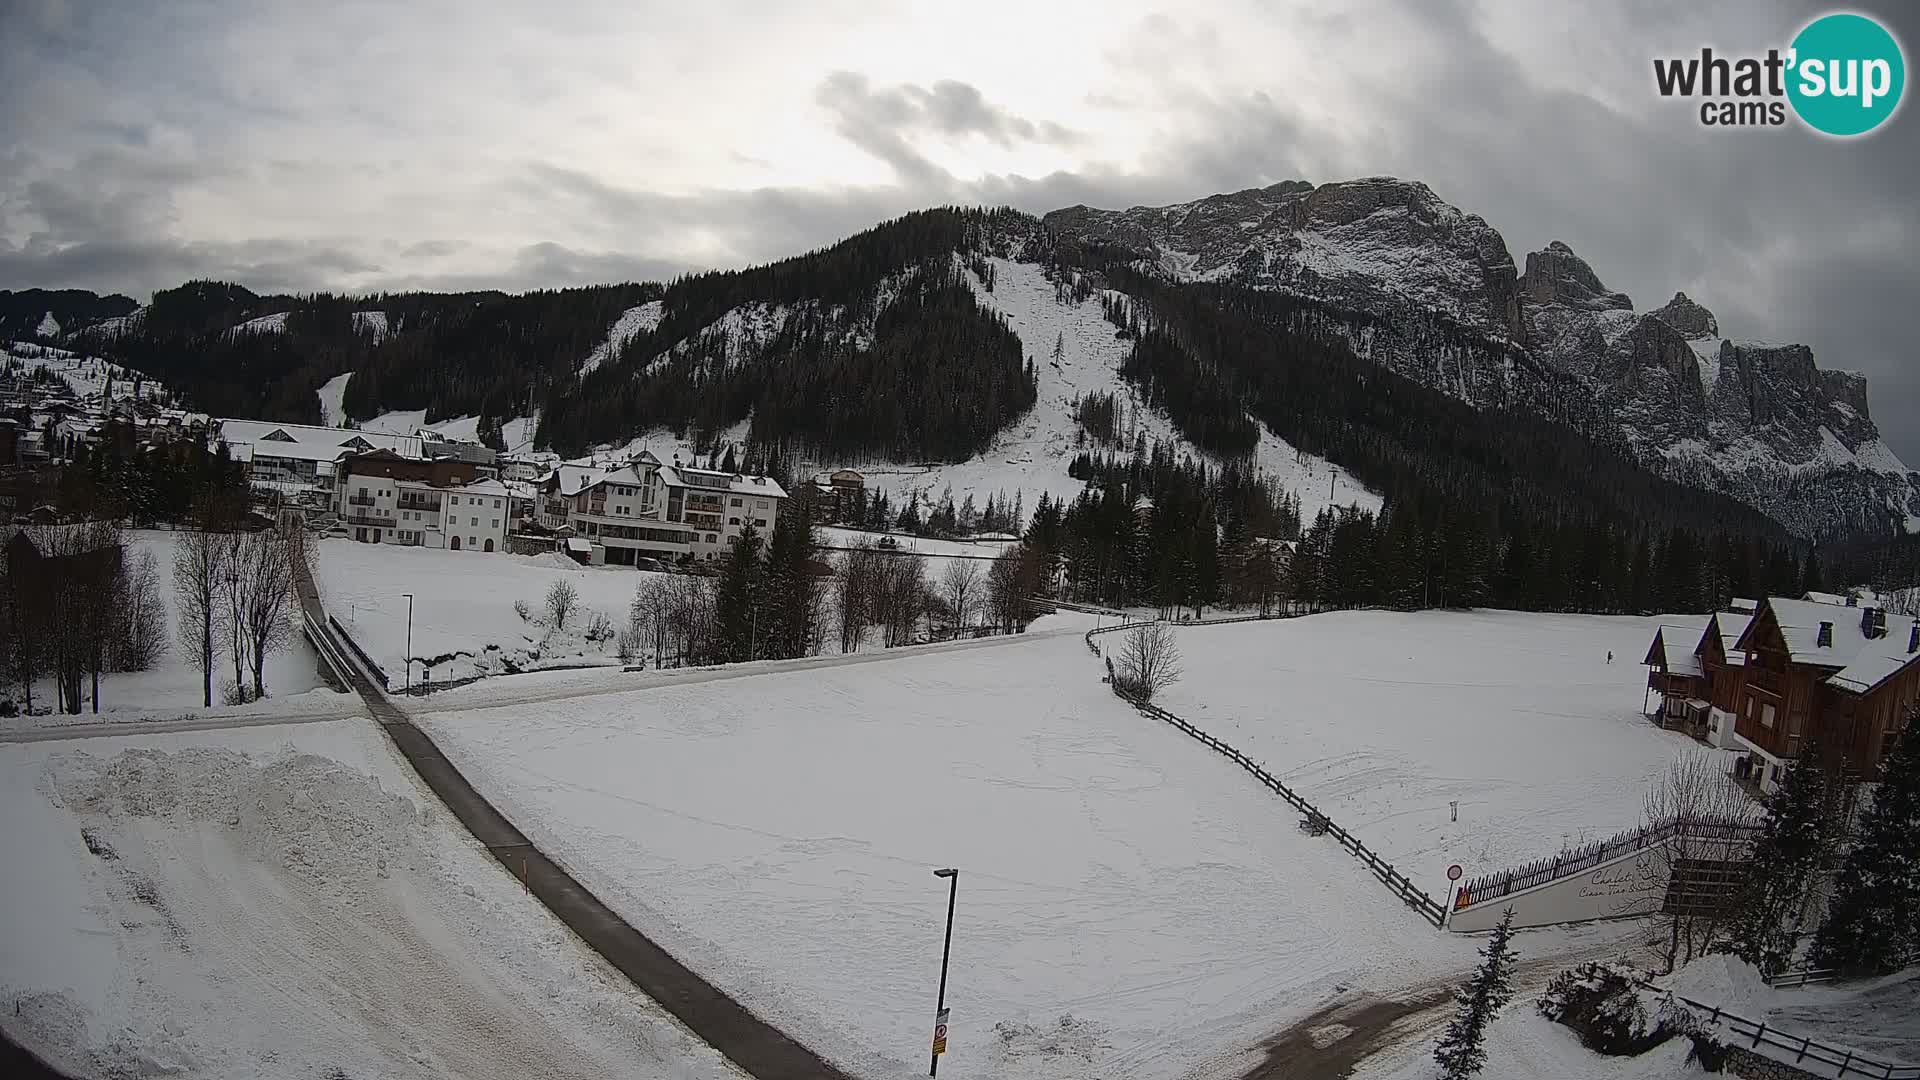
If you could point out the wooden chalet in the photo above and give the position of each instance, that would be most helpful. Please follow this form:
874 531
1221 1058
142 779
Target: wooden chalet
1847 676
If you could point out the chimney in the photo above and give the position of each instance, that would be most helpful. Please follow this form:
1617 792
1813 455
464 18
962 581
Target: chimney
1825 638
1873 623
1852 600
1913 638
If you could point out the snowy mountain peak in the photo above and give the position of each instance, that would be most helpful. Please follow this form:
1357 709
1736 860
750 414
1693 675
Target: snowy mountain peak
1378 242
1556 275
1692 320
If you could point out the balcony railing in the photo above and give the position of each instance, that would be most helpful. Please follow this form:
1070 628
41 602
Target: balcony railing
1773 682
360 500
420 504
359 518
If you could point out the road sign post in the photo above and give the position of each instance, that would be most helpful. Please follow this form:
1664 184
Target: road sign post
1453 890
940 1006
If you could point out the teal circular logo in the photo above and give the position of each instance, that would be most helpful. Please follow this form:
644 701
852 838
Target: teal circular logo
1846 74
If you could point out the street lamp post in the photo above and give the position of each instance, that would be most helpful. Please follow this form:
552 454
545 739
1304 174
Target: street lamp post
409 680
940 1008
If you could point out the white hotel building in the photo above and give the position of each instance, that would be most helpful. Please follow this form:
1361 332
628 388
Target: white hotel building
646 510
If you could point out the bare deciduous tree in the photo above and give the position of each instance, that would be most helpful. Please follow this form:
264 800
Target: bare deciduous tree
1149 660
142 617
961 585
900 599
1699 863
199 567
859 572
259 577
1014 577
562 599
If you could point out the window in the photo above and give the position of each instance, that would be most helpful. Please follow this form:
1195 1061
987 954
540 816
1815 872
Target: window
1766 716
363 489
496 523
761 522
712 539
760 504
473 521
733 521
453 500
496 504
735 502
470 541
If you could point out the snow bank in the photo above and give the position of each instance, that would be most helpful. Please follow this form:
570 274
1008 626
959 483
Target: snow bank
288 902
332 392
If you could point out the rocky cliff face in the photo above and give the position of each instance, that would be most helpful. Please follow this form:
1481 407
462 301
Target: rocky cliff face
1759 421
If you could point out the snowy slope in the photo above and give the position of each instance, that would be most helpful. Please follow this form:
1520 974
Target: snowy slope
331 392
374 321
1129 906
1384 718
1032 454
275 323
49 326
631 323
87 375
288 902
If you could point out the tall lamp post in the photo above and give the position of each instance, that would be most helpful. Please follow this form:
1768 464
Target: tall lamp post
409 680
940 1009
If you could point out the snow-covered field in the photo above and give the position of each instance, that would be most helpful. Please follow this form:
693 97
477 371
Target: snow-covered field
173 688
288 902
1385 718
463 616
1129 904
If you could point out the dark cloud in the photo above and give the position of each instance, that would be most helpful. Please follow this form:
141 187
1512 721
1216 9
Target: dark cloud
123 138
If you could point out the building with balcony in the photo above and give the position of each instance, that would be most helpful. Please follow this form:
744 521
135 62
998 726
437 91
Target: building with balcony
646 510
1796 673
383 498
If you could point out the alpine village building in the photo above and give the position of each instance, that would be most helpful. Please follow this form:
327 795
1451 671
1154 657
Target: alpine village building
1770 682
644 510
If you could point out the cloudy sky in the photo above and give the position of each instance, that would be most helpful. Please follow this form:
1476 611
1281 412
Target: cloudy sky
509 144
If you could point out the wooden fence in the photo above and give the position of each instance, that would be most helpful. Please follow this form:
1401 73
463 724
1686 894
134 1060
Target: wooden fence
1397 883
1572 861
1755 1034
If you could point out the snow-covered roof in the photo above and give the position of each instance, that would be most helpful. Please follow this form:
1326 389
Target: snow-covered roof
578 543
1732 624
1824 598
708 479
572 479
281 440
1864 662
1673 644
482 487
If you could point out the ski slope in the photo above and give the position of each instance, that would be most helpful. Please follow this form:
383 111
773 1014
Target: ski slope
288 902
1032 454
1385 718
1129 904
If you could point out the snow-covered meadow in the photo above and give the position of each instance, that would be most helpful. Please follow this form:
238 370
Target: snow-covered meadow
289 902
1384 719
464 620
1129 904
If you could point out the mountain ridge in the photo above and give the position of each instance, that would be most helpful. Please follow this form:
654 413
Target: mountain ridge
1430 291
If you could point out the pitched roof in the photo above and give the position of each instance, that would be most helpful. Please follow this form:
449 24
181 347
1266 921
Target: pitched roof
708 479
1673 646
1730 625
1863 662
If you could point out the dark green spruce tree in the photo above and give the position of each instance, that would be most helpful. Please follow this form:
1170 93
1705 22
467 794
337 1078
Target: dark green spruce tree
1800 827
1462 1050
738 601
793 593
1873 920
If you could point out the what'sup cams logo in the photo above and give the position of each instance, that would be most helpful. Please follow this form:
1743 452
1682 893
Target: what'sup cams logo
1843 76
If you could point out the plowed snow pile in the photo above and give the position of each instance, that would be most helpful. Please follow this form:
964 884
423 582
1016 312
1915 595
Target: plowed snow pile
177 907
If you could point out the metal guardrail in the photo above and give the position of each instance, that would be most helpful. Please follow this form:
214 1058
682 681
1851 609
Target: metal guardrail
1397 883
1808 976
1804 1050
372 668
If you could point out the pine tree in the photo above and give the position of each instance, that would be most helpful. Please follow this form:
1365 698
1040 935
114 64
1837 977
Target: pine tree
1462 1049
1873 920
1800 827
737 603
